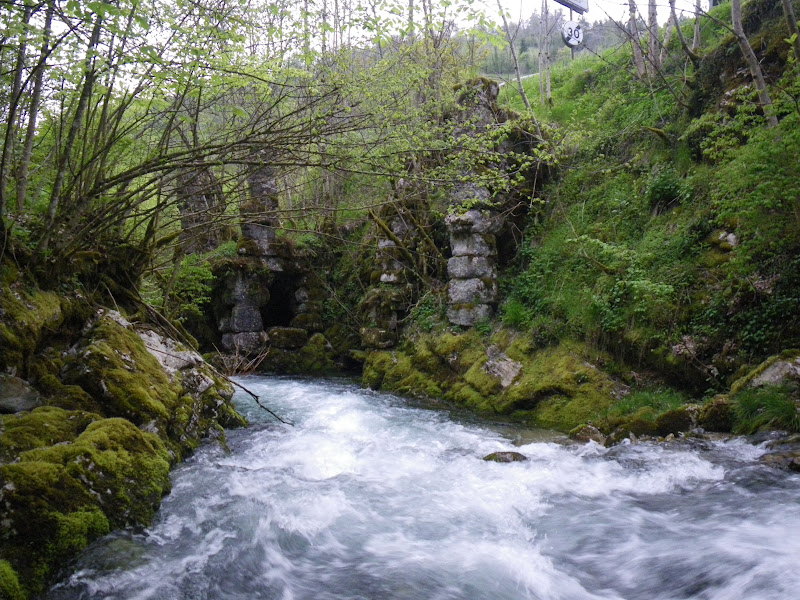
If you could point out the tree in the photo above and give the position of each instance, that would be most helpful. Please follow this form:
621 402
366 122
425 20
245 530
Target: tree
752 63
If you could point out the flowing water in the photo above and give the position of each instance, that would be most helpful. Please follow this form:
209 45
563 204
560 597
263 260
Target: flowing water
370 498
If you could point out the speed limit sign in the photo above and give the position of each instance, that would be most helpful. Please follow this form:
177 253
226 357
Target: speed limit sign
572 34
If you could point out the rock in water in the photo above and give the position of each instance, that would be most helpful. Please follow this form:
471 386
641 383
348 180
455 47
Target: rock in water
505 457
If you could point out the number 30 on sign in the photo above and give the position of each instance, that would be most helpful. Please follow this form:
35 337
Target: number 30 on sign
572 34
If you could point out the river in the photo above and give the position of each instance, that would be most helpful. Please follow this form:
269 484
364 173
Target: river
368 497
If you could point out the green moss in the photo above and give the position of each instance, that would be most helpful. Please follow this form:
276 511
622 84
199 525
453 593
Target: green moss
317 356
59 498
115 367
10 588
108 457
43 426
69 397
741 383
484 383
25 317
556 387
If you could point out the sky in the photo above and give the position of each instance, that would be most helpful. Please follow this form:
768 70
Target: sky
599 10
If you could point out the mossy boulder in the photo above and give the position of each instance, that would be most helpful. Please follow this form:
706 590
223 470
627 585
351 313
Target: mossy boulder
26 316
42 427
717 415
124 402
113 365
10 589
57 499
507 374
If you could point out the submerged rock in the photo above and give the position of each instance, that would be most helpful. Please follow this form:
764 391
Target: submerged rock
588 433
505 457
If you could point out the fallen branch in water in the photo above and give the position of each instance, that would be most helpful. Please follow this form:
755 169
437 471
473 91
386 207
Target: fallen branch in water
226 378
257 399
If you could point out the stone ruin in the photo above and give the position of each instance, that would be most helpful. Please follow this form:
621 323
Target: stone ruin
472 291
391 291
268 298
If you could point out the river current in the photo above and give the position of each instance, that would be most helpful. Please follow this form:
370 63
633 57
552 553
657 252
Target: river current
368 498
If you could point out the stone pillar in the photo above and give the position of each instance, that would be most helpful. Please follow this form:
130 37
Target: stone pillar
260 221
381 305
472 291
243 331
310 297
201 203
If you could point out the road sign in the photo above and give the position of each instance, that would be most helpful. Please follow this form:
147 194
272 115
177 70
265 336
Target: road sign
572 34
579 6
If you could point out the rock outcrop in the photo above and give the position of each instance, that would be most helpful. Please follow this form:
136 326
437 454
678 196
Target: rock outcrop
104 406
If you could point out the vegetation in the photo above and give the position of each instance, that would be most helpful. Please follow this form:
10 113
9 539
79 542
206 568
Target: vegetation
159 158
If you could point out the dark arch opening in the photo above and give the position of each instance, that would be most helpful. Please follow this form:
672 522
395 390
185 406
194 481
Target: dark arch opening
281 308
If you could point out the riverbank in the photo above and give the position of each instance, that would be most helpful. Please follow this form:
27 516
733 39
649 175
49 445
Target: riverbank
98 408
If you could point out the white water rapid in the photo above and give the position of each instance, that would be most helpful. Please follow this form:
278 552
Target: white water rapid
368 498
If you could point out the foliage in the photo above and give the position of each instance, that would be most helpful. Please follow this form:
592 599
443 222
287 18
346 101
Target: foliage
429 312
646 404
770 406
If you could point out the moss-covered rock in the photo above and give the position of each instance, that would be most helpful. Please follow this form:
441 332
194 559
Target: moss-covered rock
124 402
25 317
558 387
39 428
10 589
717 415
58 498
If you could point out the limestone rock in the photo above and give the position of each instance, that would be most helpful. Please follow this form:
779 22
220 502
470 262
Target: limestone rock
375 337
467 315
778 372
501 366
717 415
17 395
246 317
172 356
472 244
474 221
308 321
587 433
469 267
245 342
477 291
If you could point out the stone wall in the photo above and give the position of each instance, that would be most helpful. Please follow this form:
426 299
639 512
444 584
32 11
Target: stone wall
472 291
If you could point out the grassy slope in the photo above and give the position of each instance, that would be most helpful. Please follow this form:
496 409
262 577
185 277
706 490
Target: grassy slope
670 234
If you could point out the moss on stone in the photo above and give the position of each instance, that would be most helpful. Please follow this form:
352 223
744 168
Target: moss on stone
41 427
717 415
557 387
115 367
10 589
26 316
57 499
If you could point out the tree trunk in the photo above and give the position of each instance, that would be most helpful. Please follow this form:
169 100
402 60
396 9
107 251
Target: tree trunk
33 112
544 56
638 56
10 134
684 44
791 23
66 152
696 38
667 37
752 63
652 26
510 40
